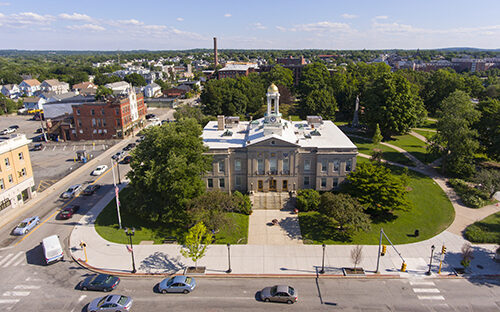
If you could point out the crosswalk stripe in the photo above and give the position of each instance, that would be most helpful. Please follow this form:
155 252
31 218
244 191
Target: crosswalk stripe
18 262
27 287
422 283
81 298
9 300
16 293
12 259
5 259
430 297
426 290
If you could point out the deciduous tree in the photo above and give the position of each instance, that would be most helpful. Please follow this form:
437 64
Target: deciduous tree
196 242
346 210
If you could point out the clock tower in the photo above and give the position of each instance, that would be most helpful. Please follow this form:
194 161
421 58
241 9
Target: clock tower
272 119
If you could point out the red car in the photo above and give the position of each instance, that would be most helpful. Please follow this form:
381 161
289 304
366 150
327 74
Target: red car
68 212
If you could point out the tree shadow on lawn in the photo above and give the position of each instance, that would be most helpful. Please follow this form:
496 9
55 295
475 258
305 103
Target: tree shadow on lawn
381 216
316 227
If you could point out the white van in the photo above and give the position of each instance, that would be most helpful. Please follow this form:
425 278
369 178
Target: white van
52 249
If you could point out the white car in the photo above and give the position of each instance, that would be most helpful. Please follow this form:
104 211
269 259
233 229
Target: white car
99 170
7 131
72 191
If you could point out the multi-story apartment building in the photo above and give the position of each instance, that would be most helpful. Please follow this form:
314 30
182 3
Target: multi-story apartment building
16 176
54 85
29 87
271 154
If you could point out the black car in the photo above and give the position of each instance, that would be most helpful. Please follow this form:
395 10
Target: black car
127 160
149 116
91 189
129 147
102 282
38 147
117 156
14 127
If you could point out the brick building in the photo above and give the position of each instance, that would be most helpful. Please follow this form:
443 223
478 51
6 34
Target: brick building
294 64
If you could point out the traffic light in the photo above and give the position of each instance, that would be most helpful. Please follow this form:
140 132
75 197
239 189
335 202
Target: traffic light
384 250
443 249
403 267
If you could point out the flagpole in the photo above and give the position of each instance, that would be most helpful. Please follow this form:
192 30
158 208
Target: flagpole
116 195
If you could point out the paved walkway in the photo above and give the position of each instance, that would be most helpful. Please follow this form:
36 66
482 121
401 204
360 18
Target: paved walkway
262 232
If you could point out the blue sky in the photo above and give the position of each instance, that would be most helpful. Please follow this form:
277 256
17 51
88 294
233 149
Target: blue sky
315 24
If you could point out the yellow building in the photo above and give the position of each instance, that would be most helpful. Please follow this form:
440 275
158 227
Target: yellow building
17 185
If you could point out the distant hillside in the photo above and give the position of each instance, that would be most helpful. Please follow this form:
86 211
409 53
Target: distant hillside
467 49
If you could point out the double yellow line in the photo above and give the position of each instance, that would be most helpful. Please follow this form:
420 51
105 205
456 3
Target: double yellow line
55 212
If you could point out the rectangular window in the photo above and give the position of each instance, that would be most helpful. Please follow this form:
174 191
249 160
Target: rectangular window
307 165
98 122
2 185
210 183
93 122
104 122
238 180
286 165
335 182
324 166
118 123
221 166
102 111
11 179
323 182
78 112
237 165
348 165
273 164
260 166
92 112
306 181
79 122
221 183
7 162
21 157
117 111
336 165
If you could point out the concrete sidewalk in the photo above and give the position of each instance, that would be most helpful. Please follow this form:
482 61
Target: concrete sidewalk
274 260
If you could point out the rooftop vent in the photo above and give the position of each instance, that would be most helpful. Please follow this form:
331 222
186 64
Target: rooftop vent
227 133
315 132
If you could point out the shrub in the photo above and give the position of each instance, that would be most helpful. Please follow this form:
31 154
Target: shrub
308 200
470 196
242 203
476 234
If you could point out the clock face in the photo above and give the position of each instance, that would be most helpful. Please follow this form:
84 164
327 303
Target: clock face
272 119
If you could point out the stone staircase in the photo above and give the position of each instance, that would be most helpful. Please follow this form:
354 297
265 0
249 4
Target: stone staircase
272 201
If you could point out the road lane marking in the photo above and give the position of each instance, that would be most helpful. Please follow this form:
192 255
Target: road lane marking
426 290
28 279
6 259
9 300
422 283
12 259
27 287
81 298
16 293
430 297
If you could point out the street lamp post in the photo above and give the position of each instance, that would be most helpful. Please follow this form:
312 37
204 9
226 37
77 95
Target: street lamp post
430 263
229 258
130 234
323 262
118 167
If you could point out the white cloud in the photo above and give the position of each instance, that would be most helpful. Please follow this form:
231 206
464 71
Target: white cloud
382 17
86 27
25 19
322 27
75 17
180 19
280 28
4 3
228 15
130 22
349 16
259 26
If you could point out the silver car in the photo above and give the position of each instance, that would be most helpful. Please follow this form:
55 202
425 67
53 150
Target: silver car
279 293
177 284
113 303
72 191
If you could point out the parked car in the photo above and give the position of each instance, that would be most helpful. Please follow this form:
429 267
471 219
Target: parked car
140 139
102 282
279 293
26 225
118 156
38 138
38 147
91 189
111 303
127 160
129 147
72 191
15 127
99 170
68 212
40 130
149 116
177 284
7 131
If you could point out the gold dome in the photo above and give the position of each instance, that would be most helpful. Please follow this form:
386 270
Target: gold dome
272 88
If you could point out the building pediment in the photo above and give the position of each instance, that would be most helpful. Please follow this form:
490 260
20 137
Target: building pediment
271 141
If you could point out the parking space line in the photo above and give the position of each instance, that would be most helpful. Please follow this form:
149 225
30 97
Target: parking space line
74 147
16 293
27 287
44 148
54 148
64 147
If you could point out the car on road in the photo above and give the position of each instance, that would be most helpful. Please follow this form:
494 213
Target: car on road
7 131
72 191
15 127
26 225
126 160
37 147
129 147
68 212
113 303
99 170
91 189
279 293
118 155
149 116
40 130
177 284
102 282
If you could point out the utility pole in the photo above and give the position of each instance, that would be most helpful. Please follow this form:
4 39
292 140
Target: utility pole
116 195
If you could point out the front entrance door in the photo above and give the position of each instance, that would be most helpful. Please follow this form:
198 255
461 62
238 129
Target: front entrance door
285 185
272 185
260 186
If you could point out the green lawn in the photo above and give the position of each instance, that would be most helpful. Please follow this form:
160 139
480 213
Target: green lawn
427 134
485 231
432 213
429 123
414 146
341 123
366 147
107 226
295 118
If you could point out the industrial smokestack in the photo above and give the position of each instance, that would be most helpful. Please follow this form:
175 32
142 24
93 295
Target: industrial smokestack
216 61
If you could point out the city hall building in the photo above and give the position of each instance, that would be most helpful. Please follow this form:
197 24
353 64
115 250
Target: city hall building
271 154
